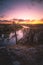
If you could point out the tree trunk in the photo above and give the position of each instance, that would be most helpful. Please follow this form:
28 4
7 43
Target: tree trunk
15 32
16 36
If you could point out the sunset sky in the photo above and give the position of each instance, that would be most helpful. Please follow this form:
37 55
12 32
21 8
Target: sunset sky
21 9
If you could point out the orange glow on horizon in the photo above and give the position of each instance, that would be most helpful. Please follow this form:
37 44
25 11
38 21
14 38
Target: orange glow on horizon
30 22
23 22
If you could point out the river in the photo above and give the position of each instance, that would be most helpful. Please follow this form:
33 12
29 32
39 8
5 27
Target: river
11 40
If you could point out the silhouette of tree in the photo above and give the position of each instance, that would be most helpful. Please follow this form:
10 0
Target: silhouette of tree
15 31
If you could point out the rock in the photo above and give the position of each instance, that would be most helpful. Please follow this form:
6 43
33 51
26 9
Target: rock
38 38
16 63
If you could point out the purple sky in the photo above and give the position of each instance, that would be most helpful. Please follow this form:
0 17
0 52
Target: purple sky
21 9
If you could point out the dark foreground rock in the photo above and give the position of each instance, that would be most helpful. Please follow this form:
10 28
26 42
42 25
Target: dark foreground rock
20 55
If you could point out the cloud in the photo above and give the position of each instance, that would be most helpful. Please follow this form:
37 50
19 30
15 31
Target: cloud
34 2
37 1
2 16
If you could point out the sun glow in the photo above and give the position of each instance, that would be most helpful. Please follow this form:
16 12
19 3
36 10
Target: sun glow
30 22
22 21
37 22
